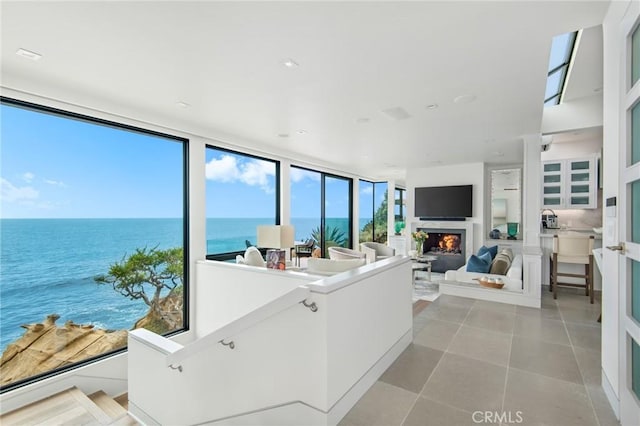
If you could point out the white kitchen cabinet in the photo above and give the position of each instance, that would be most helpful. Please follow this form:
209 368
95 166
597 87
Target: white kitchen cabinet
569 184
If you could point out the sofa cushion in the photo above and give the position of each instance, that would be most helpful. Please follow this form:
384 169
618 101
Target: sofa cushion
480 263
493 250
501 263
253 257
332 266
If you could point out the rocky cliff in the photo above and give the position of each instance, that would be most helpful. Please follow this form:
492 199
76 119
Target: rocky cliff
46 346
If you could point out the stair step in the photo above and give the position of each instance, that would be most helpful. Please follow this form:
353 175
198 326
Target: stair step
123 400
70 406
107 404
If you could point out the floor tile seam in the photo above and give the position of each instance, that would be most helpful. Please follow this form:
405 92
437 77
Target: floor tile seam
550 377
443 353
491 331
584 324
487 309
413 404
573 351
520 336
482 360
443 320
445 404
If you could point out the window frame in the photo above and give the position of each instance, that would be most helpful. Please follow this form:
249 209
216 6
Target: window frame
373 206
69 115
323 222
228 256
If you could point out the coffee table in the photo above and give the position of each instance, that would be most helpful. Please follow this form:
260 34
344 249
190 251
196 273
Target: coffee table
422 263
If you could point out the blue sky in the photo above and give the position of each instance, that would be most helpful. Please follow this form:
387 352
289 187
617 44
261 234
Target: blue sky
52 167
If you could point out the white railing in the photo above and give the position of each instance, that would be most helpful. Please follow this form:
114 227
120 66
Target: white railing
297 295
362 323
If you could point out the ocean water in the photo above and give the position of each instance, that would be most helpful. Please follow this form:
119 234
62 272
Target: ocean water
48 266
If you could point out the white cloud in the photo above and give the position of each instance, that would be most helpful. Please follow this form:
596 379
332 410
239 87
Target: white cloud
224 169
54 182
366 189
28 177
298 175
11 193
252 172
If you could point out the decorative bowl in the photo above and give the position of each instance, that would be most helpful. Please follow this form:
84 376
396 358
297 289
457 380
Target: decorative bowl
490 283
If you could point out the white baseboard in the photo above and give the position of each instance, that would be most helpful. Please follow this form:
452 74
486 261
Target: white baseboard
611 395
493 295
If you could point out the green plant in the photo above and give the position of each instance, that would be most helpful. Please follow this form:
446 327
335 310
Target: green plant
162 269
333 236
380 221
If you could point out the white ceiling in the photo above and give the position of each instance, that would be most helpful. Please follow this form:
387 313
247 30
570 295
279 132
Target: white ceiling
356 59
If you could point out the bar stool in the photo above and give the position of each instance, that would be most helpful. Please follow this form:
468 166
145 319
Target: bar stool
572 249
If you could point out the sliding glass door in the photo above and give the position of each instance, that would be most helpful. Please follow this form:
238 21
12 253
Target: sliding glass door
321 208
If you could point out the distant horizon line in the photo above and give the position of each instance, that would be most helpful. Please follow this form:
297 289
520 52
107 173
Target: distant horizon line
151 218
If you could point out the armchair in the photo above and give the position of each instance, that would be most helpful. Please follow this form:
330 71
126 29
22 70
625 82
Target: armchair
376 251
344 253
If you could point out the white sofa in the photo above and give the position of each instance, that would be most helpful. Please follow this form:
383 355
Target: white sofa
512 280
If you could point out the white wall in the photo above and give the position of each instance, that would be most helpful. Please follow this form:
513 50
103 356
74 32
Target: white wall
581 113
457 174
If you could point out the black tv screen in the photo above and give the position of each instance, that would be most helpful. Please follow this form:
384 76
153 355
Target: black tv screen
444 201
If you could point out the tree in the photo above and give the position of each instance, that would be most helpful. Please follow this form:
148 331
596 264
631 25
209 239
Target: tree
160 269
380 221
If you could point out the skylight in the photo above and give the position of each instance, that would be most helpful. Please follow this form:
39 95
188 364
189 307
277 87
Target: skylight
559 58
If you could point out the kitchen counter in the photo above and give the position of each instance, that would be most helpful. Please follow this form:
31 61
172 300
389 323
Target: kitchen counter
549 233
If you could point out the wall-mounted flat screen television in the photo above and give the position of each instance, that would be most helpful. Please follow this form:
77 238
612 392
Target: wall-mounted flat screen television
444 202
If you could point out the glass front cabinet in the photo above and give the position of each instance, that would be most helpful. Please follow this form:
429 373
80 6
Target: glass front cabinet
569 184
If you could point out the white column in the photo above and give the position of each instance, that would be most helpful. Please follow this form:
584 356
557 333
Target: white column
285 192
391 206
531 252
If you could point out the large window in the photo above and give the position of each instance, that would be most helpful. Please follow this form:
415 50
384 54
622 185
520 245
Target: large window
93 238
241 193
399 208
321 208
373 211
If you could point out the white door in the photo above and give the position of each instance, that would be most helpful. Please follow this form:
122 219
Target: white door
629 221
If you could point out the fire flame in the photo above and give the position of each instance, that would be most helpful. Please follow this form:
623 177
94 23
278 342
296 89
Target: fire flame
449 242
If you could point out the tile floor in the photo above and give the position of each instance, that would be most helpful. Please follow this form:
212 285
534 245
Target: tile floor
522 365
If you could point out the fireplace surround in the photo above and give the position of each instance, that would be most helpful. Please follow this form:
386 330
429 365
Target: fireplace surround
450 242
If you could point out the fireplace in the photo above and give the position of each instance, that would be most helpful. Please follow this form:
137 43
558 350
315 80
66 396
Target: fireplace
448 245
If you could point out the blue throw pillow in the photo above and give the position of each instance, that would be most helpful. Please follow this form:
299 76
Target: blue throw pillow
493 250
480 263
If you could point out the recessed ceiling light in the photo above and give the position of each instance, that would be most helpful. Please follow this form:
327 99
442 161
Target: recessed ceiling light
182 104
301 132
290 63
397 113
28 54
465 99
363 120
283 135
432 106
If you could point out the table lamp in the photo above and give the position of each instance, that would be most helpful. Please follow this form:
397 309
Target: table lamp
275 238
